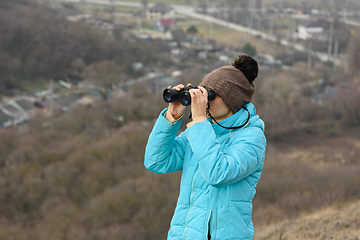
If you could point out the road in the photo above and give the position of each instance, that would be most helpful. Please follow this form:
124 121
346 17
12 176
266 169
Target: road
189 11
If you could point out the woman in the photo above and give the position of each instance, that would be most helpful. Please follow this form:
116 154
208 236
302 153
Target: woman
221 155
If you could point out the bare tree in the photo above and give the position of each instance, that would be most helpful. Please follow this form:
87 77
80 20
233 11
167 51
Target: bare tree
353 53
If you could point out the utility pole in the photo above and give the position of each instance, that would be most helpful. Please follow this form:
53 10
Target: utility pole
259 23
330 39
51 96
51 103
251 19
345 10
309 56
139 24
289 28
144 7
251 9
210 30
336 50
259 6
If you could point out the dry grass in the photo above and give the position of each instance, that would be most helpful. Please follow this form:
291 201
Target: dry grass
236 40
309 189
335 222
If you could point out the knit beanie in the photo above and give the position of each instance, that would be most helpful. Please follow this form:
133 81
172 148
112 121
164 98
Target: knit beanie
231 85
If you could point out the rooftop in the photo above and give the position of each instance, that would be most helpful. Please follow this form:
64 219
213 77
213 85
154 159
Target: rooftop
168 22
13 110
161 7
4 117
25 104
311 24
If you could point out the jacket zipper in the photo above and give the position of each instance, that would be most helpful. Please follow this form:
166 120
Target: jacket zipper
208 224
191 202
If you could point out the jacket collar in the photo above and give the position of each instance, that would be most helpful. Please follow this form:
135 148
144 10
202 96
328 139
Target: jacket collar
236 119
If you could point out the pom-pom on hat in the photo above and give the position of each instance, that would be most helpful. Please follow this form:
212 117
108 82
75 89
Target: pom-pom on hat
234 83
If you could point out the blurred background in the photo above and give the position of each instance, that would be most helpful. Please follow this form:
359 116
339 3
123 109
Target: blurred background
81 86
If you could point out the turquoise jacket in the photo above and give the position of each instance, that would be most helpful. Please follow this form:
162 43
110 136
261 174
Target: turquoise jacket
220 171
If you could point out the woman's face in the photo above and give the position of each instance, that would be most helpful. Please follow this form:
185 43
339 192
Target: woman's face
218 109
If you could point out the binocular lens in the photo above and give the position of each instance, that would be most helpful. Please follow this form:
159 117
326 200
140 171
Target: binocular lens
185 98
171 95
167 96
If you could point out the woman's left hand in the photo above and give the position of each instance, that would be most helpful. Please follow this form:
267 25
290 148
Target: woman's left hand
199 100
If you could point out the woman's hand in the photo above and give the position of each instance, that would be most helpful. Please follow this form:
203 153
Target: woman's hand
176 109
199 100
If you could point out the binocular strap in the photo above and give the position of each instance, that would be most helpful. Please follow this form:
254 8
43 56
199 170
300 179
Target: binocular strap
242 125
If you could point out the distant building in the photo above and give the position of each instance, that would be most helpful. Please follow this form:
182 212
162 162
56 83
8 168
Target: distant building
311 30
63 103
331 92
57 104
137 66
86 84
202 54
161 10
198 44
18 116
159 85
163 25
16 111
267 60
25 104
178 35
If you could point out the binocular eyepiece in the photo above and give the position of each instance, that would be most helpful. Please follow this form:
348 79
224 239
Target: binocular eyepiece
171 95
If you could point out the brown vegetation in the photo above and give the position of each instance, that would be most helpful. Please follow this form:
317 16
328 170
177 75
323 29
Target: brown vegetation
39 43
336 222
81 175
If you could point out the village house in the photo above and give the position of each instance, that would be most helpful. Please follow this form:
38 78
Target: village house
159 84
332 92
311 30
84 84
163 25
17 115
56 104
160 10
177 35
16 111
26 104
63 103
198 44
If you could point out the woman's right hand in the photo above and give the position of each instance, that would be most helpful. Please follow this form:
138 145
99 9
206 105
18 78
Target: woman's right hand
176 109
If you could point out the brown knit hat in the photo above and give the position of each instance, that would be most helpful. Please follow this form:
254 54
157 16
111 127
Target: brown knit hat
231 85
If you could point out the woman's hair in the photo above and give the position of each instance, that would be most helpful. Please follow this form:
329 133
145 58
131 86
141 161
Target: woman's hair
247 65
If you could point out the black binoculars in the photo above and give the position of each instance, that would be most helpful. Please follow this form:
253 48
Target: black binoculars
171 95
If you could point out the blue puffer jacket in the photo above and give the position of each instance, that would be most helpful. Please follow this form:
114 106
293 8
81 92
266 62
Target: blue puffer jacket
221 169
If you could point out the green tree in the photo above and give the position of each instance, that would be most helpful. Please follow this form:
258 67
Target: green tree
192 29
249 49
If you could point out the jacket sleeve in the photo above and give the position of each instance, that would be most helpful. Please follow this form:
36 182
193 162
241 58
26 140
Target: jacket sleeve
164 151
243 156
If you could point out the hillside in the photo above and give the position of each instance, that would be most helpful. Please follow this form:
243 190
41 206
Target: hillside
309 188
80 175
340 221
38 44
